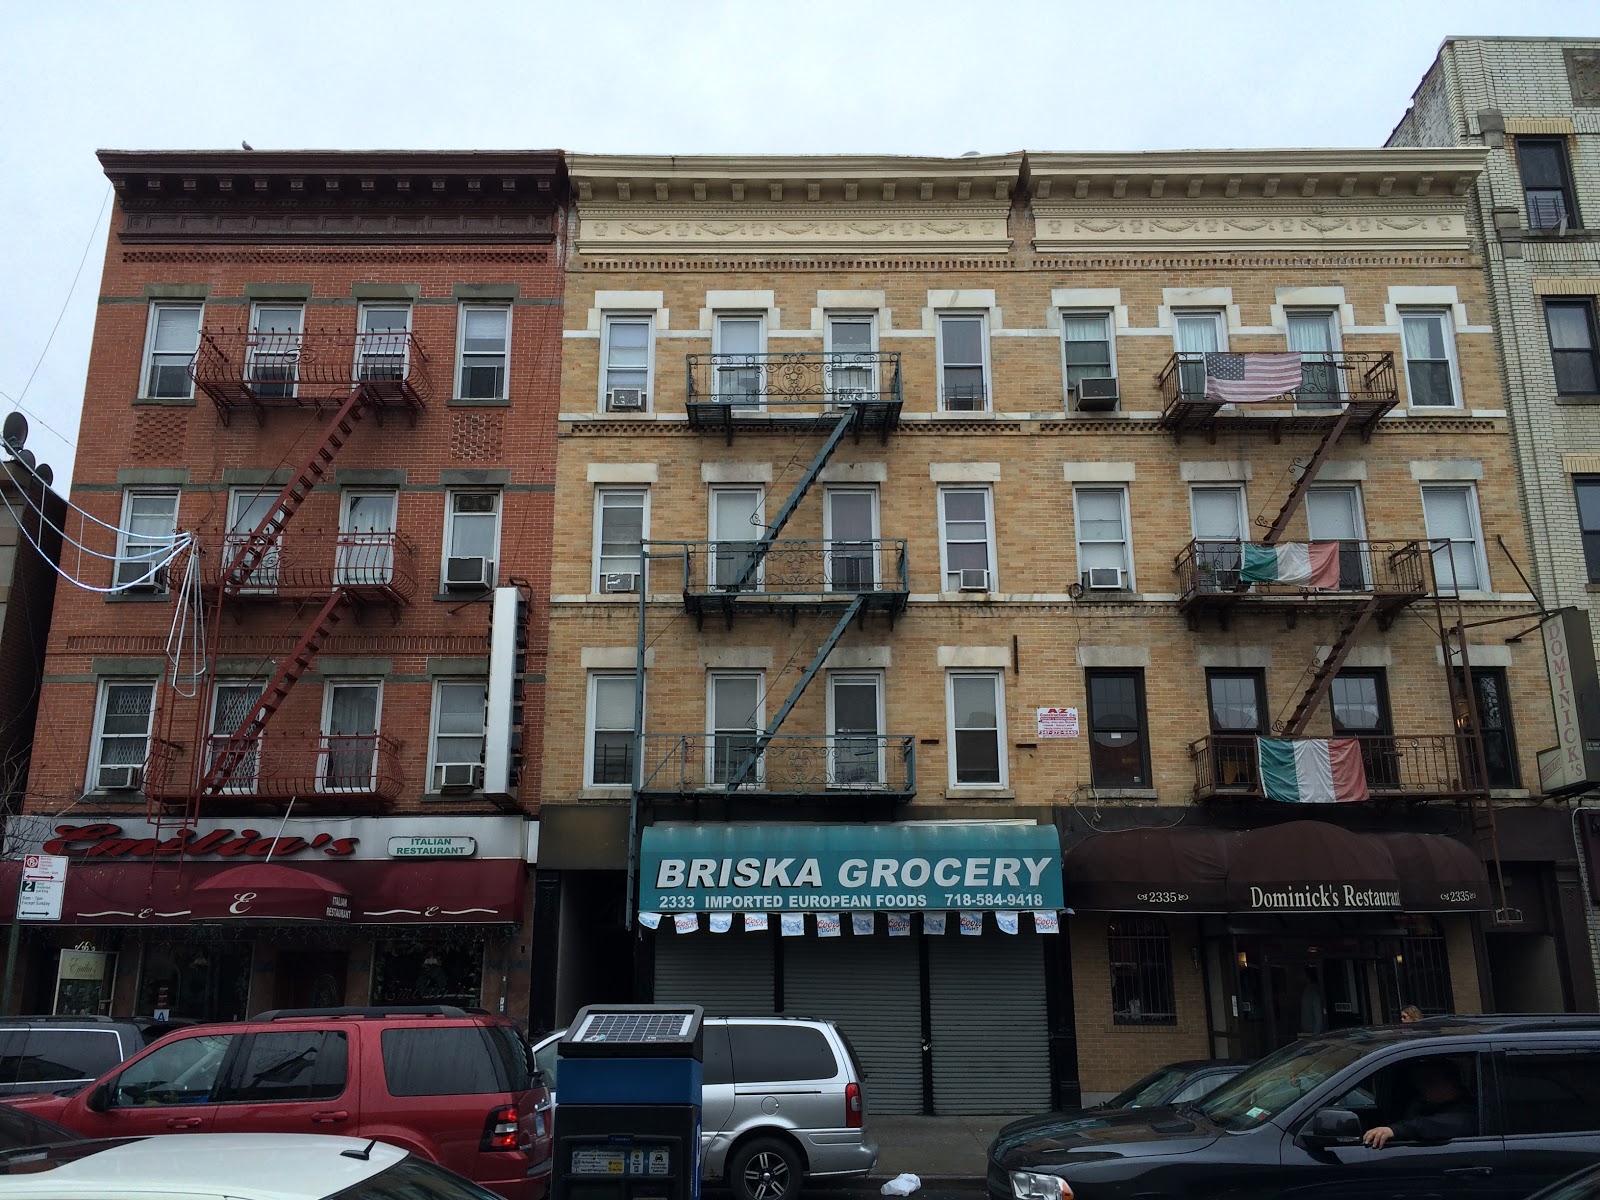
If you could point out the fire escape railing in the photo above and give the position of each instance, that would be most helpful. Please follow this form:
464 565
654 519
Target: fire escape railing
245 369
843 766
1398 766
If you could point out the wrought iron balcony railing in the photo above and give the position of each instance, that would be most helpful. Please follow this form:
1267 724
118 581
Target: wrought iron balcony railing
376 567
333 769
793 571
1211 572
1427 766
240 368
1364 381
746 388
792 766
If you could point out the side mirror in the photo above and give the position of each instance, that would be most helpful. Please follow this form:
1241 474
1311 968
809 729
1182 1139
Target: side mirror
100 1099
1333 1127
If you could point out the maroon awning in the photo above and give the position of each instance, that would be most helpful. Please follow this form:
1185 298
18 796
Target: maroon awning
427 892
268 893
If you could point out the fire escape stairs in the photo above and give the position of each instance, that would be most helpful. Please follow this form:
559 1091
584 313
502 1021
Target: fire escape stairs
1322 675
1291 504
764 738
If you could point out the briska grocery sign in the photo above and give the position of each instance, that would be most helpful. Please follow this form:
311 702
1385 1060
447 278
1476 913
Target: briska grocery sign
105 840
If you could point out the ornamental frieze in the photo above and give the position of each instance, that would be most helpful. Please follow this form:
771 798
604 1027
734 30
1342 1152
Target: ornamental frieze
1059 229
608 229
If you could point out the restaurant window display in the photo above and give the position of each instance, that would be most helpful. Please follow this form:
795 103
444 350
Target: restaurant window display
423 971
201 981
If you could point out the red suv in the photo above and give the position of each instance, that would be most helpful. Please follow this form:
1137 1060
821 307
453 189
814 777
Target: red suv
444 1083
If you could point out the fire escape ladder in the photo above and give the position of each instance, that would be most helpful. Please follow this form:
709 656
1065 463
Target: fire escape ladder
1307 477
242 742
1322 676
764 738
758 551
253 550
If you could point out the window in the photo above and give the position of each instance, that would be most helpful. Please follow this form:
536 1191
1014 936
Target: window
1423 977
850 530
739 344
1359 704
472 538
246 511
303 1064
181 1070
1217 520
485 350
1315 334
383 343
1087 347
1119 754
1196 332
734 705
1551 1092
273 366
149 527
1450 514
122 733
1493 702
611 736
967 539
1101 514
459 709
1425 337
1333 514
1141 971
171 343
1425 1098
621 520
977 729
233 700
963 362
852 365
1588 489
780 1053
1572 346
350 736
60 1056
366 539
626 355
459 1060
1237 703
738 521
1546 183
855 730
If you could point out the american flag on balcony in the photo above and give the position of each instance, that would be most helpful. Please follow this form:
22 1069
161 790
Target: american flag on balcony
1251 378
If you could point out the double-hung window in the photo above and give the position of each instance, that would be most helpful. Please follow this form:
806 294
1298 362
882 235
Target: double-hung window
1087 348
485 348
232 703
1102 519
350 713
121 734
172 340
963 362
459 713
855 730
1314 333
149 528
734 704
1429 345
966 540
1450 513
977 732
1546 183
1196 332
276 332
625 382
851 361
1571 324
608 758
1588 489
740 346
1119 751
621 524
472 539
384 342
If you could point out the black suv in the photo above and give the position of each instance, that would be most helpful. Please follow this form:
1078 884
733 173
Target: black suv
1478 1108
54 1054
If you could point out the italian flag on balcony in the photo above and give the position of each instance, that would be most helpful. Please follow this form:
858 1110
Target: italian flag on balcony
1309 564
1312 770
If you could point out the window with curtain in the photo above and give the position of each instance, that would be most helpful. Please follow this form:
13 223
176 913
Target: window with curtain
1195 333
1429 352
1573 355
275 345
174 337
351 737
1140 952
1313 333
1450 514
1119 751
1087 345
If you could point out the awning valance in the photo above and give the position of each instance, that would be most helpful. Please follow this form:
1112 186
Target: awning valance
1298 866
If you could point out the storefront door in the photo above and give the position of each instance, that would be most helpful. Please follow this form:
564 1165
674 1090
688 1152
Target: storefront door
310 979
1290 988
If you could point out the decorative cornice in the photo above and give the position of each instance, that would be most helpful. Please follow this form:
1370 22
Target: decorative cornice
1230 174
1201 226
655 228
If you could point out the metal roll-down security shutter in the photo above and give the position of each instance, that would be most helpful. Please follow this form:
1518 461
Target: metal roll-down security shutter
991 1051
870 988
727 974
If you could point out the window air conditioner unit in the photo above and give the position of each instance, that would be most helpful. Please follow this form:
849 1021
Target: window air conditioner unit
1103 579
621 581
134 575
120 779
468 573
1097 393
973 579
625 400
459 777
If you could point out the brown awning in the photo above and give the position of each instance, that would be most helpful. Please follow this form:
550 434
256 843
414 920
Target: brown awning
1298 866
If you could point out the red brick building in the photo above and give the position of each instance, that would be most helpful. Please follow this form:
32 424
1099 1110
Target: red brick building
319 430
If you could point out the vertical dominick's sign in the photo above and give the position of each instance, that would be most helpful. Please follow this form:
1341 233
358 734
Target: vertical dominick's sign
1573 763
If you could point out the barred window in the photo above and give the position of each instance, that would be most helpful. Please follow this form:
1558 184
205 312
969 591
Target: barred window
1141 972
1422 967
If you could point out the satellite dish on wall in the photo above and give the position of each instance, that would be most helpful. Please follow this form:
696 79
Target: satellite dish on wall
14 432
44 474
25 457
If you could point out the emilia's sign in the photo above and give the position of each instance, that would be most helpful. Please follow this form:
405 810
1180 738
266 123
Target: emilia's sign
1323 897
830 868
106 840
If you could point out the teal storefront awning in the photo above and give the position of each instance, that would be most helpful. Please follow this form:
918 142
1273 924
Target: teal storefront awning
991 867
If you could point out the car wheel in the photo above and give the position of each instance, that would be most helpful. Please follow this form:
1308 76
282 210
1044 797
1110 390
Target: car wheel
765 1169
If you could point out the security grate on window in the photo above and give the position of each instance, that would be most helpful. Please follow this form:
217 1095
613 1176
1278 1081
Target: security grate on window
1141 972
1423 967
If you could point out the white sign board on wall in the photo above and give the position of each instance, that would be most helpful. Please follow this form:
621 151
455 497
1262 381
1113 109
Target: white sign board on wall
43 887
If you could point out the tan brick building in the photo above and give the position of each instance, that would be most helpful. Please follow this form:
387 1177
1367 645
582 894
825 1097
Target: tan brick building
838 400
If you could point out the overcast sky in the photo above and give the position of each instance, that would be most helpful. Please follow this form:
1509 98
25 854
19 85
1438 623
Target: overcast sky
761 76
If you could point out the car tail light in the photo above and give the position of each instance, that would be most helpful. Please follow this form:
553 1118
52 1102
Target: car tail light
852 1106
500 1130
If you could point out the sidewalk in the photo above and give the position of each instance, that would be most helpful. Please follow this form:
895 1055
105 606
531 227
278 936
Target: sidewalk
940 1149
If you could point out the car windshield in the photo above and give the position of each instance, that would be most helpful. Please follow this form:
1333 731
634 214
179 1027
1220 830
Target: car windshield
1148 1090
1263 1091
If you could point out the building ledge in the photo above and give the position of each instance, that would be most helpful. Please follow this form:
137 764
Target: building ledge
978 793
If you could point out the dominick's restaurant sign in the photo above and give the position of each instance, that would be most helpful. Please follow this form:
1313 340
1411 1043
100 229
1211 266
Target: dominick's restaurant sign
103 840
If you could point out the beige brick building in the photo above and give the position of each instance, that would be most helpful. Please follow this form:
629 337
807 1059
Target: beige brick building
839 402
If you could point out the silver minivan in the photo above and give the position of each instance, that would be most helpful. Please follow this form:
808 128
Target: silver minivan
782 1101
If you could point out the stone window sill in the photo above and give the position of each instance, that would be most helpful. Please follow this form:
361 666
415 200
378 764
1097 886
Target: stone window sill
979 793
1578 401
164 401
478 402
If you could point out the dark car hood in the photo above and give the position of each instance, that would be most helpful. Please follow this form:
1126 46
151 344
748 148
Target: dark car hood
1050 1139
